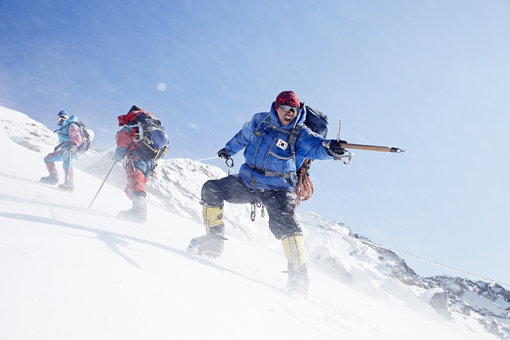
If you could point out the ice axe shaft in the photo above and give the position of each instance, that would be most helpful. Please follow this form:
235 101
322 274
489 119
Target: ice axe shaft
104 181
370 147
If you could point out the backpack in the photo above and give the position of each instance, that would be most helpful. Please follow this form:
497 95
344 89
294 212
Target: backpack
147 124
85 137
318 123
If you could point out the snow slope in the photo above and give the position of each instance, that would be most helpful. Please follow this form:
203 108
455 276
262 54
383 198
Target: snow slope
69 272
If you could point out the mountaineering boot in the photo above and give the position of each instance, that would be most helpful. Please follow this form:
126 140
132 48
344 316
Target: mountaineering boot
68 185
52 178
294 249
298 280
209 245
138 213
212 243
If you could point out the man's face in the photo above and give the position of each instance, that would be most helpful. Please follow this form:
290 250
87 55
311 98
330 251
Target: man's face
286 114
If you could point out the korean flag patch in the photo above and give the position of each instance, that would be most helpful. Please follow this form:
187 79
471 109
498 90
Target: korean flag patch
282 144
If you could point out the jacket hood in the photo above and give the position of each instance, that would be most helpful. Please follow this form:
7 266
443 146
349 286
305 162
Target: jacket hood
299 120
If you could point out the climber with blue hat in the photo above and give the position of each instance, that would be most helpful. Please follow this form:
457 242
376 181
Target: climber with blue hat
70 139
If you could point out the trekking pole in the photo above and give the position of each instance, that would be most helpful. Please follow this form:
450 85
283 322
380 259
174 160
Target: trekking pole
104 181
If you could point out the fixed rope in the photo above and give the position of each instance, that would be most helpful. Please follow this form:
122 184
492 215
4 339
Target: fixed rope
370 243
436 263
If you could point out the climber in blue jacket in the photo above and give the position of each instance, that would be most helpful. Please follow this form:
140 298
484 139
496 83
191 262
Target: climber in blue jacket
275 145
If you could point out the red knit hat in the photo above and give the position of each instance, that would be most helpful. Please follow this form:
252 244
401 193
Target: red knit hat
287 98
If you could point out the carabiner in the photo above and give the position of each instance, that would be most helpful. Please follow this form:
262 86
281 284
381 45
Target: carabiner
348 154
230 163
252 215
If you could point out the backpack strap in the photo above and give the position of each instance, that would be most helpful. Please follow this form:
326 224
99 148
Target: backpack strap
65 133
293 138
263 121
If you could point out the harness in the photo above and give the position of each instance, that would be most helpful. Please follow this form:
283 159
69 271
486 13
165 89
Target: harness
285 175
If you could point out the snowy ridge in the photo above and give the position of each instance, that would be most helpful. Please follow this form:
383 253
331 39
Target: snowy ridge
27 132
489 303
359 279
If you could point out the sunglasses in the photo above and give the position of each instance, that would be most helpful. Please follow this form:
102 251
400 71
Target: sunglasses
289 108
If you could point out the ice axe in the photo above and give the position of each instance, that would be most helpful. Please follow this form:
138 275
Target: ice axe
348 154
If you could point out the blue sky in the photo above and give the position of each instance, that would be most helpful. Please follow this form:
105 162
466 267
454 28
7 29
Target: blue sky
431 77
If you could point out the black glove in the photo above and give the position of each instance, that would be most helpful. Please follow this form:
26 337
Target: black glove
223 153
334 148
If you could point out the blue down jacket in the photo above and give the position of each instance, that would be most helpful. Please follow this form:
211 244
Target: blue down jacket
269 161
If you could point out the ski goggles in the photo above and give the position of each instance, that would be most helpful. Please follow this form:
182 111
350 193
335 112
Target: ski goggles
61 119
289 108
